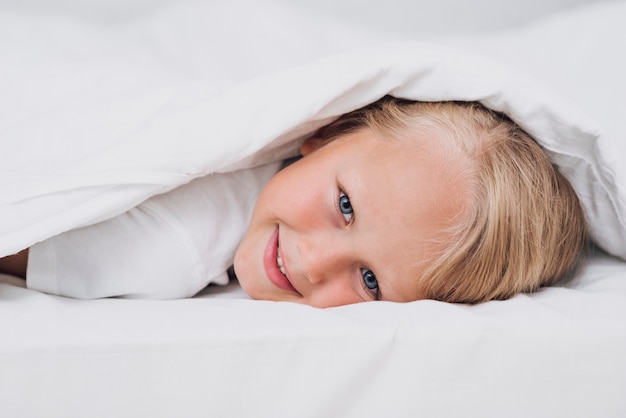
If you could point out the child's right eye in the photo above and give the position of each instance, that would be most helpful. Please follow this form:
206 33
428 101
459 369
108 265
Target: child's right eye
345 207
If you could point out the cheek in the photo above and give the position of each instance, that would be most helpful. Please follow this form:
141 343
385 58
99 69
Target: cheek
294 200
306 211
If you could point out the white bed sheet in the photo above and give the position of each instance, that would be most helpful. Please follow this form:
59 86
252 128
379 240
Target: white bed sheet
558 353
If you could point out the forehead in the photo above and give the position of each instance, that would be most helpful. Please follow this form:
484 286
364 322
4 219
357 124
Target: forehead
405 193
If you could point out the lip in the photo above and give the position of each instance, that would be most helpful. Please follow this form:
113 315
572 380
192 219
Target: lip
271 269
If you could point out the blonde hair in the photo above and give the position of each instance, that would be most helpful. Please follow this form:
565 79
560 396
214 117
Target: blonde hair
523 226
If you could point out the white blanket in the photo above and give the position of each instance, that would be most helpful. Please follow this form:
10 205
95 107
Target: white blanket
92 126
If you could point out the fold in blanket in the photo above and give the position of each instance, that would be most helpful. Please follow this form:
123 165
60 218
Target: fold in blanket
102 137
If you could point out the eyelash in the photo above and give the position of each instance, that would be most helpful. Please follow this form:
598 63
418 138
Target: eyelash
345 209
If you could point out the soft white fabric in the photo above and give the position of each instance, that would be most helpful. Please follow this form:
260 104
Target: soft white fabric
86 93
170 246
122 133
555 354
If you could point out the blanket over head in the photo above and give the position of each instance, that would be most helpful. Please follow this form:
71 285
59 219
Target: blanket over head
86 137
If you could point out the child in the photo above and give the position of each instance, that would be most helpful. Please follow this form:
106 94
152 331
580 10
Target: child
403 201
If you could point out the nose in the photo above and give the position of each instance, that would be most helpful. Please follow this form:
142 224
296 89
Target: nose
323 256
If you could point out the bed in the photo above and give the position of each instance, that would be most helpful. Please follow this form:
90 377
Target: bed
130 75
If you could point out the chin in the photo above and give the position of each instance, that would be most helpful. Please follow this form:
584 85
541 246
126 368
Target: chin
241 272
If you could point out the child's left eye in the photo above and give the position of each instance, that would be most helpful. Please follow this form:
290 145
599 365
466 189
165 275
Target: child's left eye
345 207
370 282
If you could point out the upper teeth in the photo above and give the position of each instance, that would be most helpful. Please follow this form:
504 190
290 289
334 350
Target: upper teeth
279 262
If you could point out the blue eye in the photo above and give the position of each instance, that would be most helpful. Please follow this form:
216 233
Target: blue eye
345 207
370 281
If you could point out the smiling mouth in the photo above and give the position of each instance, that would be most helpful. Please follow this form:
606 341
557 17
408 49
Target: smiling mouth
274 264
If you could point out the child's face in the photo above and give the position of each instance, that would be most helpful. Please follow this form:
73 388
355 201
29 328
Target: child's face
349 222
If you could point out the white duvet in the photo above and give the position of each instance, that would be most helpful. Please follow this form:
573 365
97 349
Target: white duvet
95 118
93 126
